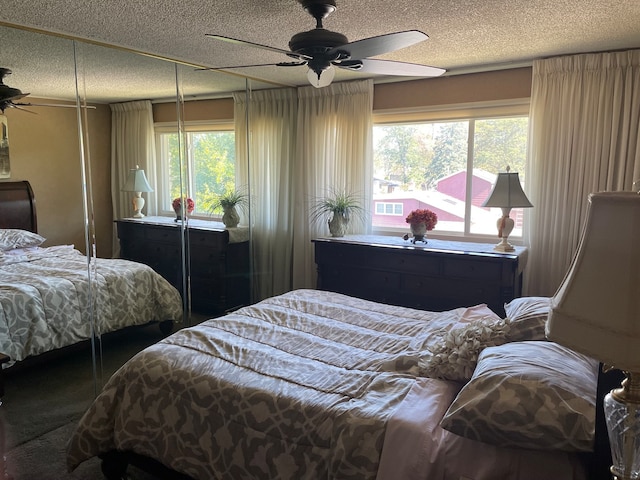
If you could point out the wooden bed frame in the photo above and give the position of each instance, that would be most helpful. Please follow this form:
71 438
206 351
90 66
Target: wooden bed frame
18 206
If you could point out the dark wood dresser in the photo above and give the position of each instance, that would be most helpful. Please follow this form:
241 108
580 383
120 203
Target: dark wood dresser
439 275
217 259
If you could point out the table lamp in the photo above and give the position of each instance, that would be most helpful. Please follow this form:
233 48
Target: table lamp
596 311
137 182
507 193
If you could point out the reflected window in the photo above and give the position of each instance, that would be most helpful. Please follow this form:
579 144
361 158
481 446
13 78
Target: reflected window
210 166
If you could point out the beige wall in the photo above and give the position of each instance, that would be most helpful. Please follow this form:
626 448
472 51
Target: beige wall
44 146
44 150
476 87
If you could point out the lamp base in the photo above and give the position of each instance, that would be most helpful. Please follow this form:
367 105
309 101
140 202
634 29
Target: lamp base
505 227
138 204
622 415
504 246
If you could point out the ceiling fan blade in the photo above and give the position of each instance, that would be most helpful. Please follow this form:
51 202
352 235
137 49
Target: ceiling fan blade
90 107
279 64
372 46
18 106
390 67
258 45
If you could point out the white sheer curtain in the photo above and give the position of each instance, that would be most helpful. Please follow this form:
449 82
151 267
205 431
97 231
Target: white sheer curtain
132 143
334 152
584 138
271 116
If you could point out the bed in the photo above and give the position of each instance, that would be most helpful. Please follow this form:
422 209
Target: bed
46 299
314 384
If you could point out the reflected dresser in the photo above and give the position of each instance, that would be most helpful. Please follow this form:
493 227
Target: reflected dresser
215 259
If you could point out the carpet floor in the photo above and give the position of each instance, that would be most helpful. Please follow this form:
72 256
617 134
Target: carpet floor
44 400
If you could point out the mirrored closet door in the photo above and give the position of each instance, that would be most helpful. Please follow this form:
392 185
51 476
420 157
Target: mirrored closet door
79 171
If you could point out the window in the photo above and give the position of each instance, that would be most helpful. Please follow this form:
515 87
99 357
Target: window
210 165
448 166
388 208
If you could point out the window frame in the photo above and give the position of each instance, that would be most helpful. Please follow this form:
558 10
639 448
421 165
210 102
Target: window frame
518 107
163 128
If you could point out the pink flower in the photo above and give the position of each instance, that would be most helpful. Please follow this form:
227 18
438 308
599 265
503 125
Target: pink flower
425 216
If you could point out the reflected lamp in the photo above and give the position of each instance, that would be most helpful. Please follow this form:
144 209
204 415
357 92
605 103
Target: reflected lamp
596 311
507 193
137 183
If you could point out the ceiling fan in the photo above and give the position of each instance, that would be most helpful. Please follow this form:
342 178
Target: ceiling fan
9 96
322 50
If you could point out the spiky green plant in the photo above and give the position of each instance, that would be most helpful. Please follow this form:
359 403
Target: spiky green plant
338 202
230 198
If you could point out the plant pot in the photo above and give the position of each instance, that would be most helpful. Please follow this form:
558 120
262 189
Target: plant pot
419 232
338 225
230 217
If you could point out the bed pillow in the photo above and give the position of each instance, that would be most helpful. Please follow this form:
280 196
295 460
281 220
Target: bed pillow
11 238
456 355
535 395
527 316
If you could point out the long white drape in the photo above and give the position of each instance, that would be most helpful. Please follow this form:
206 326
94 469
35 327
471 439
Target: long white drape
584 138
333 153
271 117
132 143
301 145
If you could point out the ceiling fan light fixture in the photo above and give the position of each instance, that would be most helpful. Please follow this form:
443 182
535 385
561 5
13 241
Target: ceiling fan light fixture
321 77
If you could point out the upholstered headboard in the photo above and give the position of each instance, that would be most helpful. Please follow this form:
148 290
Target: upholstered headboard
17 206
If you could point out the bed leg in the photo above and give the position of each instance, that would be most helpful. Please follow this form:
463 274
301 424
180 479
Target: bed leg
166 327
114 466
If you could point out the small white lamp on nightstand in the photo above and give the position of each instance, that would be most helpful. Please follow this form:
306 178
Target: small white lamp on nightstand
137 182
507 193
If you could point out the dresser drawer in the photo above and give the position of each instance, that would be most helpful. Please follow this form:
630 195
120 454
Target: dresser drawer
165 235
472 269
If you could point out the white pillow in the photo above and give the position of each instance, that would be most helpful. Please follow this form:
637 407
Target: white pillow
11 238
456 356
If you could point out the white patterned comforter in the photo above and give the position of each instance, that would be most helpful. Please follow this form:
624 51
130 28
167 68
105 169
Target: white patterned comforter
45 298
299 386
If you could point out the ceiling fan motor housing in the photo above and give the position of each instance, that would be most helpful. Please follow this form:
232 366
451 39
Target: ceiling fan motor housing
316 41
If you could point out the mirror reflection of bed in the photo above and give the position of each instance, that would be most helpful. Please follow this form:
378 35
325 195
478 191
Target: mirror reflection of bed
47 299
49 309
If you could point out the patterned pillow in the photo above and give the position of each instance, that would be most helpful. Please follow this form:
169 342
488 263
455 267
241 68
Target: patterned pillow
11 238
536 395
528 316
455 357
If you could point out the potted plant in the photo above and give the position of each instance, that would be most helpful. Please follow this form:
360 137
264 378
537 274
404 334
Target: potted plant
421 221
338 207
229 202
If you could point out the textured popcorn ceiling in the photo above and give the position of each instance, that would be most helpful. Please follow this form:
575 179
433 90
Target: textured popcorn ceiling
465 35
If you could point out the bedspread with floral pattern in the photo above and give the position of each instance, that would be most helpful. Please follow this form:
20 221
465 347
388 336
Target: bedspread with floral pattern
298 386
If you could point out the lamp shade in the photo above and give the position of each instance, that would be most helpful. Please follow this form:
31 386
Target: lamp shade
137 181
596 310
507 192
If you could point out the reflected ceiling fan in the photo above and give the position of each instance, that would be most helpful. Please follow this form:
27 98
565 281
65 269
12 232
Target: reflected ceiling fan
322 50
9 97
